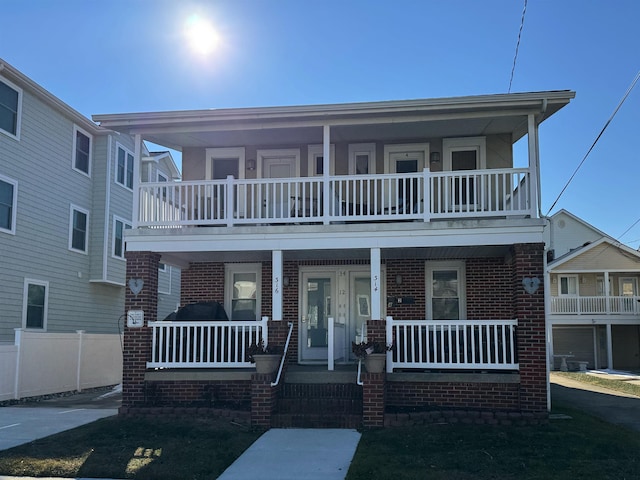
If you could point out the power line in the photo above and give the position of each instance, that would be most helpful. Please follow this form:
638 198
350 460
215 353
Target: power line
633 84
515 57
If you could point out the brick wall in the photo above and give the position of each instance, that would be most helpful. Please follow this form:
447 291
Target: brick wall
198 392
489 289
137 341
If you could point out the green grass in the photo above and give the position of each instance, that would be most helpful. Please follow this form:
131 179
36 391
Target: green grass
583 447
599 380
133 448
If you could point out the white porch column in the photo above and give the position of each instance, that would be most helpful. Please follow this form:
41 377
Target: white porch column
376 284
534 165
606 293
326 163
276 285
137 165
609 348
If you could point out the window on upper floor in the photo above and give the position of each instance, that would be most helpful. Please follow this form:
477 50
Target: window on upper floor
78 229
119 226
81 151
8 201
315 162
568 285
35 304
10 108
362 158
124 167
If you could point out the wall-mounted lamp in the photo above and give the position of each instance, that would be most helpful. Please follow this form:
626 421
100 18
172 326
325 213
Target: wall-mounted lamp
251 164
434 157
285 281
398 279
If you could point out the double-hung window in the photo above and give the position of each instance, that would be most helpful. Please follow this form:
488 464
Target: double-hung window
10 108
35 304
119 226
569 285
81 151
8 200
124 167
243 291
78 229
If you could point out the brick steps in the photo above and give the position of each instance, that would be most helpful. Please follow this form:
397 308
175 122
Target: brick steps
319 406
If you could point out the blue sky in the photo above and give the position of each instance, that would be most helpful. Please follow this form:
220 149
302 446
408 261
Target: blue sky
113 56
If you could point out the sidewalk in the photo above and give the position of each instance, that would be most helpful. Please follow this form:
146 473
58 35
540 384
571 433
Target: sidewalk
292 454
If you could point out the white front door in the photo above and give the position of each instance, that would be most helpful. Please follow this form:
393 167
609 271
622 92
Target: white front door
276 196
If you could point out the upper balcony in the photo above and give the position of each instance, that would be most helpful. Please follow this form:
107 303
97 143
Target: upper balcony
423 196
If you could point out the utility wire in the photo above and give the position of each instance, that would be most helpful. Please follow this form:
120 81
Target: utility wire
515 57
633 84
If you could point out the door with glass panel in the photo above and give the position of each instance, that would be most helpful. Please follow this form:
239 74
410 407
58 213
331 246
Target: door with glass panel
317 305
445 291
406 191
359 306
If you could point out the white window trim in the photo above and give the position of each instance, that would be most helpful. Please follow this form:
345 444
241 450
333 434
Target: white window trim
434 266
231 152
25 297
315 151
14 205
229 270
162 177
263 155
359 148
633 280
115 170
77 129
113 239
560 294
73 208
19 113
168 270
450 145
405 148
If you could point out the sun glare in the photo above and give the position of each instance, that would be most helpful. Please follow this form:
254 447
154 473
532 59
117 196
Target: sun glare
201 35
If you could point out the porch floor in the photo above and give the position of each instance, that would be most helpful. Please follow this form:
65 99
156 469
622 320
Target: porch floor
319 374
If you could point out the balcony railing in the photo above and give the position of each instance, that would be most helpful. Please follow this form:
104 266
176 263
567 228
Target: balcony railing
346 198
599 305
453 344
204 344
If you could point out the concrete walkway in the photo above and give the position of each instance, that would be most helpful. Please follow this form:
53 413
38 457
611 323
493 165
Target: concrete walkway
614 407
293 454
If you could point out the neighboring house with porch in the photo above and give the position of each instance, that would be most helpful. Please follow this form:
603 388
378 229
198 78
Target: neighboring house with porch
407 222
66 196
594 305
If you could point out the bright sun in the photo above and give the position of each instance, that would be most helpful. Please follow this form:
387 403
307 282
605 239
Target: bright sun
201 35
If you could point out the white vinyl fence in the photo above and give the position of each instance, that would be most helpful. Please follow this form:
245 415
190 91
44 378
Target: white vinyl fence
41 363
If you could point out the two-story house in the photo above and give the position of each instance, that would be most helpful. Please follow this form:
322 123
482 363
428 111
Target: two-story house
594 304
66 190
409 223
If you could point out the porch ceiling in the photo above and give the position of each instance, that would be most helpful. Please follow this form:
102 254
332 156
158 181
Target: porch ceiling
433 253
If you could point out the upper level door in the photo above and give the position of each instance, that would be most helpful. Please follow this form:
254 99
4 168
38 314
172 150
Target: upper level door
405 158
220 163
461 154
276 197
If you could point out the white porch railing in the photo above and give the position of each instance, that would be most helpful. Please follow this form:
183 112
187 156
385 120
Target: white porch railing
452 344
599 305
219 344
423 196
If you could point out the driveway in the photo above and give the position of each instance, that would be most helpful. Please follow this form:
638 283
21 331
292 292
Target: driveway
614 407
26 422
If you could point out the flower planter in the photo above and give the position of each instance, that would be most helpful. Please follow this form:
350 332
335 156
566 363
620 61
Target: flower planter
374 362
267 362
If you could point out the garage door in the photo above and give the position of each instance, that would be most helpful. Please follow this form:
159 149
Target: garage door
576 341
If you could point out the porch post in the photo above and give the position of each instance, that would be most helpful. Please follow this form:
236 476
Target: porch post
609 347
326 163
137 165
375 284
276 283
137 339
534 165
606 293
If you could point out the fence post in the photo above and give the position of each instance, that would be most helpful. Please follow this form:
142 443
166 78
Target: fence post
16 380
389 342
79 366
229 200
426 195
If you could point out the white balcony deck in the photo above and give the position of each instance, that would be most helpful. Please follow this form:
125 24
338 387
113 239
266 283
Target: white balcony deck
599 305
422 196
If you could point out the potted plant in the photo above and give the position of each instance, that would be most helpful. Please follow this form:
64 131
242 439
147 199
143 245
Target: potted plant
374 354
266 357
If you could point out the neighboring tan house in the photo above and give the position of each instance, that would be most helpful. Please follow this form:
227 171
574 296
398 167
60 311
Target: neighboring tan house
66 196
406 222
594 304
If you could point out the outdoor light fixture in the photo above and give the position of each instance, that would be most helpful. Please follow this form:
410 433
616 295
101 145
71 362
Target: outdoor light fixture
285 281
398 279
251 164
435 157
